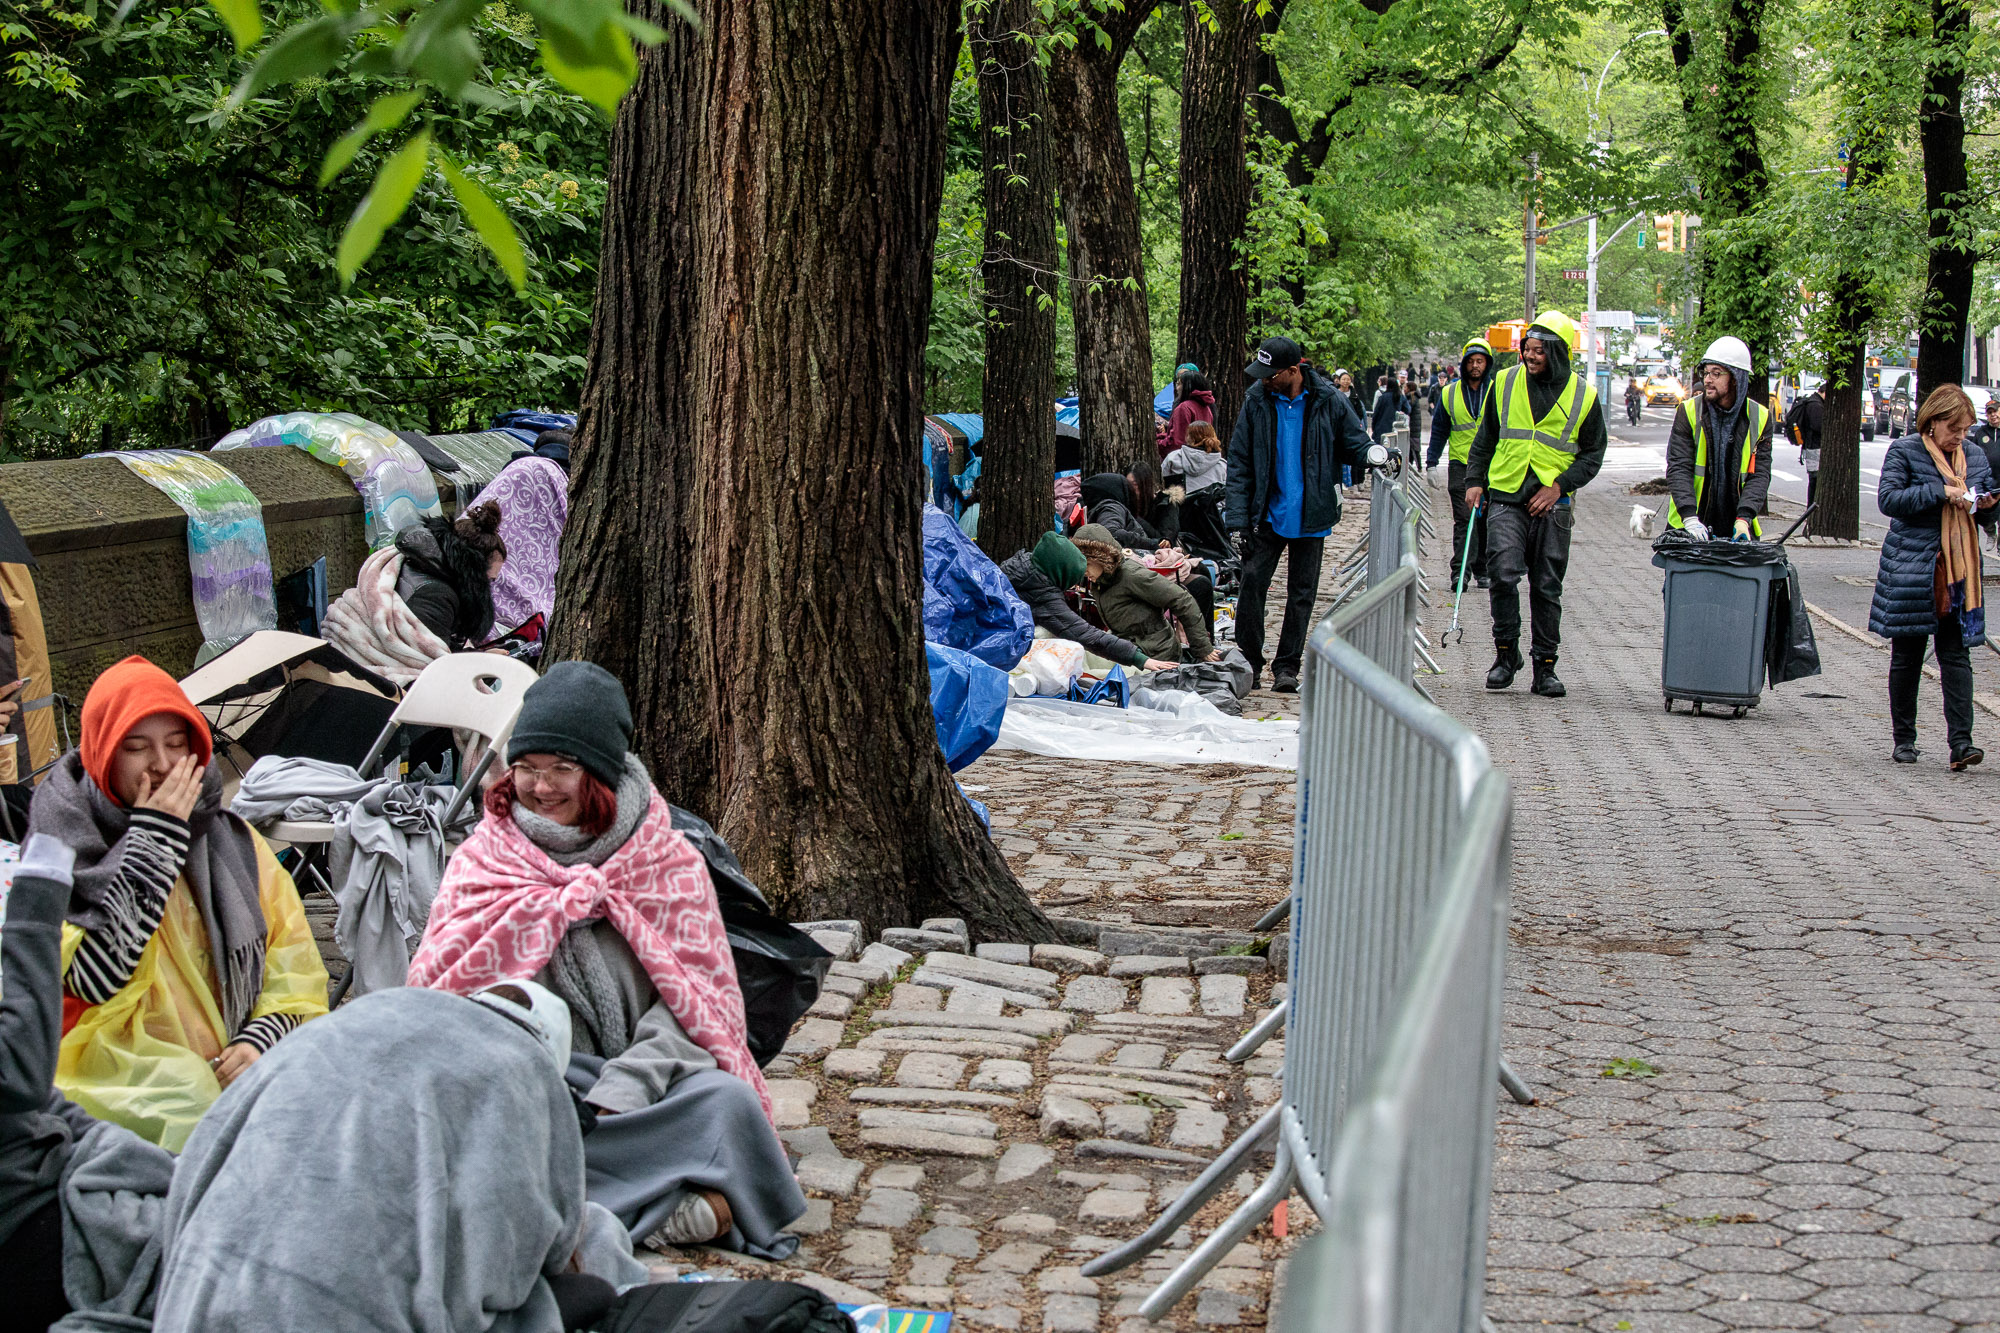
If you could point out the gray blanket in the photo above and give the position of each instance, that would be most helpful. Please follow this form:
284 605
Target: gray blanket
114 1196
409 1164
386 858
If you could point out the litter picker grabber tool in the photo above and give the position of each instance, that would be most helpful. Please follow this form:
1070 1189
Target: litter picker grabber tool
1464 563
1799 523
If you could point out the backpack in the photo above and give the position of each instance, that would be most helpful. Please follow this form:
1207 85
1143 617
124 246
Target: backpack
724 1307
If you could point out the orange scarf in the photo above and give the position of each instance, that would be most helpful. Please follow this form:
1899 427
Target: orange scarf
1958 541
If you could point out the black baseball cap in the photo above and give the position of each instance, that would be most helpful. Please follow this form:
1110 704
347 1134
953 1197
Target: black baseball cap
1273 355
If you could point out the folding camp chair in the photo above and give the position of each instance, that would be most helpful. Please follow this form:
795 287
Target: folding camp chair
476 692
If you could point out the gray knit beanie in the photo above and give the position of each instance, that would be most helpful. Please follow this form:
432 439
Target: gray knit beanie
576 708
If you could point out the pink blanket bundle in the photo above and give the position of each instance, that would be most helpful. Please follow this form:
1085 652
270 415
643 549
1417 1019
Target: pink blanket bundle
504 904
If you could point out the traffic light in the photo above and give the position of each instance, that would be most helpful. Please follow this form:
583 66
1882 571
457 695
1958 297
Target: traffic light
1663 230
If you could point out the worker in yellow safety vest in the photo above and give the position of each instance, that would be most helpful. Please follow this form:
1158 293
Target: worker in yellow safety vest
1541 439
1452 428
1719 451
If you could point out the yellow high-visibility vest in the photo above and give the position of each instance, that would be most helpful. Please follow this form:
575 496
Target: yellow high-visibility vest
1464 421
1548 446
1760 417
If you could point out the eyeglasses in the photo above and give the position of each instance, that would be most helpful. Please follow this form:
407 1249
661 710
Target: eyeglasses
556 774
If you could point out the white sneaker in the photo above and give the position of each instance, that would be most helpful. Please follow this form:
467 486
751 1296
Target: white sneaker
692 1222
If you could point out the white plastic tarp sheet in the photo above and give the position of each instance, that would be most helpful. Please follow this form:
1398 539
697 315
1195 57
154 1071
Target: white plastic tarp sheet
1143 735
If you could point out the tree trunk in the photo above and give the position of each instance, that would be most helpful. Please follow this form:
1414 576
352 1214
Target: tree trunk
1215 198
1114 340
1838 491
1852 307
742 548
1018 274
1941 128
1720 106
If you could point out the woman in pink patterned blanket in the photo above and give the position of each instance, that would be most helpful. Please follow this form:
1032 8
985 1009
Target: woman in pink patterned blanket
578 879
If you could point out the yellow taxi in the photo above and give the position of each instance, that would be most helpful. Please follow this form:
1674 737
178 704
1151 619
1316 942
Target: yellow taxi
1660 387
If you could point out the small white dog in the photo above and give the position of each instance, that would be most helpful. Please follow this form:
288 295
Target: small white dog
1642 522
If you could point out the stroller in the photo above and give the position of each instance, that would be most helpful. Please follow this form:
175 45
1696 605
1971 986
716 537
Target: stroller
1203 534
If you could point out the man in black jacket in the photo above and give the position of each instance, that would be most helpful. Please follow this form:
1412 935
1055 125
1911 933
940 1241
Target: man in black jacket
1803 423
1986 438
1293 434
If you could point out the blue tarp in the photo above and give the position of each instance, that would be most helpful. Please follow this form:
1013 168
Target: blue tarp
1067 412
968 603
524 423
1163 401
971 423
968 699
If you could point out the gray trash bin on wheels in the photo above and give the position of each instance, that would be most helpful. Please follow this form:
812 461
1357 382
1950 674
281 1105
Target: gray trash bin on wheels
1718 607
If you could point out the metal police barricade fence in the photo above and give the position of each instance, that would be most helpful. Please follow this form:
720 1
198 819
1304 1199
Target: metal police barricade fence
1405 1200
1384 781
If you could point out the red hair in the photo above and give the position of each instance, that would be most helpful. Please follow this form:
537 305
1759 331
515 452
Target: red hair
597 803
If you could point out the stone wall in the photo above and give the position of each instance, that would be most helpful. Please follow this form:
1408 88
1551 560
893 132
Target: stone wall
112 552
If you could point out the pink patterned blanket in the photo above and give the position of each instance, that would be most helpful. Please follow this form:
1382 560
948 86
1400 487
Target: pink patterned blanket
504 904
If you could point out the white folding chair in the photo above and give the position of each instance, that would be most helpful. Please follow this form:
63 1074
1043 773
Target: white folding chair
476 692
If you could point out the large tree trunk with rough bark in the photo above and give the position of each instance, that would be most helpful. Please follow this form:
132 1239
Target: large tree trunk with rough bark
1114 341
742 548
1837 494
1017 273
1947 196
1720 105
1215 197
1852 310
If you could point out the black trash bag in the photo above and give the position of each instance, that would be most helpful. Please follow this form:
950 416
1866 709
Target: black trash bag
1790 651
778 966
724 1307
1675 544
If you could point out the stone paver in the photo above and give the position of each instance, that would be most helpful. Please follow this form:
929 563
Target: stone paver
921 1070
1099 995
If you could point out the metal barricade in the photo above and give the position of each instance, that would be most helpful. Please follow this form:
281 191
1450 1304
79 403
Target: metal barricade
1405 1201
1384 779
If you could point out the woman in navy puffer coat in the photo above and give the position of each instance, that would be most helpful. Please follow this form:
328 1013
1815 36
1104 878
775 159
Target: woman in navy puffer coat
1913 494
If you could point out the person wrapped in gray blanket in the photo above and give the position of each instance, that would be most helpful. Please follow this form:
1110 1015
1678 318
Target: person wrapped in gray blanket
411 1162
80 1200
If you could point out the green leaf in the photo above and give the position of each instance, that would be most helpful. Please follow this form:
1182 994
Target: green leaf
1628 1067
490 222
245 20
386 114
439 45
395 184
299 52
601 78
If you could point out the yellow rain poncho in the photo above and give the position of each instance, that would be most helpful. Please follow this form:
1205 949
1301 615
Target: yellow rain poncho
141 1059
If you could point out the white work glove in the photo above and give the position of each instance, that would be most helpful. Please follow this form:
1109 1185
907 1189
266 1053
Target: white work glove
1696 529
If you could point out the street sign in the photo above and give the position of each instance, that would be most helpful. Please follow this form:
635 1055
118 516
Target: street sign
1575 274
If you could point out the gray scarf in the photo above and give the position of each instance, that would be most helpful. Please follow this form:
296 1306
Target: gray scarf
604 1024
221 871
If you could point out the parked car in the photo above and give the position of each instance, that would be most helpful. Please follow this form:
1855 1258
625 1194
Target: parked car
1897 402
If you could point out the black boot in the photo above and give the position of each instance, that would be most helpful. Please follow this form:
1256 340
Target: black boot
1505 663
1546 683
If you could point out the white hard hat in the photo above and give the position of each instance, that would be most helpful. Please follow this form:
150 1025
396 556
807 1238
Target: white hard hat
1730 352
